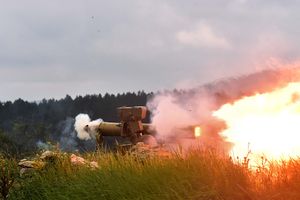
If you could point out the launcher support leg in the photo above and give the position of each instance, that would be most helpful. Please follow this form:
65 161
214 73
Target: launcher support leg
99 140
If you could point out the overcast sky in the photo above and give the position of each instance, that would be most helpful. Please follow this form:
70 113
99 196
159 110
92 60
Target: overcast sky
52 48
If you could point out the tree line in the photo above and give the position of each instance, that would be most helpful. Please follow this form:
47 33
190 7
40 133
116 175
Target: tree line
23 124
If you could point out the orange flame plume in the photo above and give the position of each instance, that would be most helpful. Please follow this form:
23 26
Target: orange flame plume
268 124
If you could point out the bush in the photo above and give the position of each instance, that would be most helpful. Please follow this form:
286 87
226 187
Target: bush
8 176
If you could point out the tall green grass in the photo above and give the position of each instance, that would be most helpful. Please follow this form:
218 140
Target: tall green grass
198 175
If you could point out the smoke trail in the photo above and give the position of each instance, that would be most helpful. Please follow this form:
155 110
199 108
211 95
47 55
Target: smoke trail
67 140
83 120
43 146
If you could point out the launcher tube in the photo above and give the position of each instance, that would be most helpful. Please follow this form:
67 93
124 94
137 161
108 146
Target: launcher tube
114 129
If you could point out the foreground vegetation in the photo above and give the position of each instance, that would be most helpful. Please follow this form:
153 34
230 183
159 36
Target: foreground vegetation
199 175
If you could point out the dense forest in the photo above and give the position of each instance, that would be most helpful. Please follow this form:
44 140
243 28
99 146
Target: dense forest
27 126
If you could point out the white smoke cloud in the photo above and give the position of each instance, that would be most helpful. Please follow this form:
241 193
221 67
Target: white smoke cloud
83 120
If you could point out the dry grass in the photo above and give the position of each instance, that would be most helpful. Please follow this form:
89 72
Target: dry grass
199 175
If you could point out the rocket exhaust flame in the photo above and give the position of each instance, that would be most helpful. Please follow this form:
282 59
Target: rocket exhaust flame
268 123
197 131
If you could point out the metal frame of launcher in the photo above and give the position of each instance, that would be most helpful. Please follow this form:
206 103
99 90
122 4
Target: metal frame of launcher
130 125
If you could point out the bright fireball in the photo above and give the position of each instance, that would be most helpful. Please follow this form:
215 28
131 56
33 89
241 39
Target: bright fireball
266 124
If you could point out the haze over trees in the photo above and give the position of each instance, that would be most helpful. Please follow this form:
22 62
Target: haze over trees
24 126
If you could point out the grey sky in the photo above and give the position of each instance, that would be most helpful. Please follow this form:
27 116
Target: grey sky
58 47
